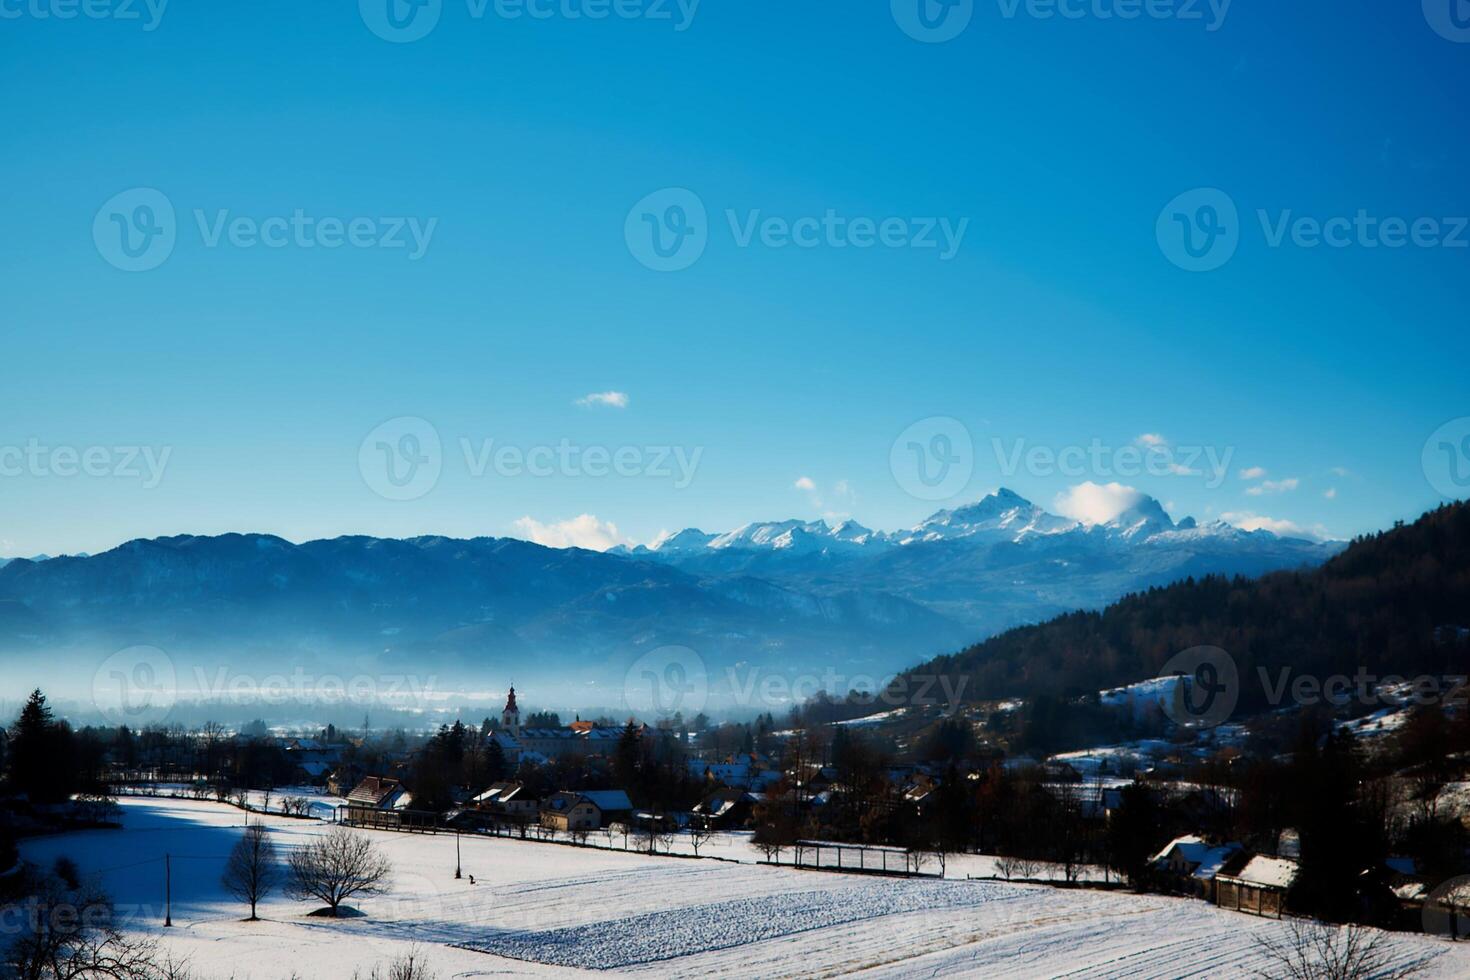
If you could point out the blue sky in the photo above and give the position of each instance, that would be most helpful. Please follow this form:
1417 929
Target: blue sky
520 148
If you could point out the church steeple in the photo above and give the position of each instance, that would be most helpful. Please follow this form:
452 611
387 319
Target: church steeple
510 719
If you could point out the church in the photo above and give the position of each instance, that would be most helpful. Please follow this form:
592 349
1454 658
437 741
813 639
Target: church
578 738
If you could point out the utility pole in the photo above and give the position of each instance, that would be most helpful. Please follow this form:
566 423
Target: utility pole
168 891
456 853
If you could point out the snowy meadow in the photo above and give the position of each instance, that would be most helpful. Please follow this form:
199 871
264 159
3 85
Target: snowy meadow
530 908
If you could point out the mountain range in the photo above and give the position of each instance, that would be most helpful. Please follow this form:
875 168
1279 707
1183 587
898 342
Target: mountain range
798 595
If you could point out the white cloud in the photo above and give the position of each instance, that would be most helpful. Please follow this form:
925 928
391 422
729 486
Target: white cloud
1339 471
1273 486
1248 521
805 483
1253 472
583 531
1152 439
1093 503
1330 493
604 399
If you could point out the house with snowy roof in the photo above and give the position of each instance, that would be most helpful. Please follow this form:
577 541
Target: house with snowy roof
1260 885
1190 864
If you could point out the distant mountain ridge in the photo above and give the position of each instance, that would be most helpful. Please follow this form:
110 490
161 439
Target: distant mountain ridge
800 595
999 562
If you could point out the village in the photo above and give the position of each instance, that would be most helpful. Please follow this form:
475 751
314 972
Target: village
1158 814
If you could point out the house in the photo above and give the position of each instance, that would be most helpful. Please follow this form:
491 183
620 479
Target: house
613 803
1190 864
1260 886
569 812
507 799
379 793
726 809
589 810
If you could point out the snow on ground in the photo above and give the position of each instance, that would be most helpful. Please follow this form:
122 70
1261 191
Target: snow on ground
548 910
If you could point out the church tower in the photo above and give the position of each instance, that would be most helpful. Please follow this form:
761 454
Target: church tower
510 719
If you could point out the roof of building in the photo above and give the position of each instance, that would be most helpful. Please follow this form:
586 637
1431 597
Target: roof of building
374 790
1267 872
1204 858
609 799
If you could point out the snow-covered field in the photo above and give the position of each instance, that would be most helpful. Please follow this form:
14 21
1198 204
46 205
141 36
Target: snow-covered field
544 910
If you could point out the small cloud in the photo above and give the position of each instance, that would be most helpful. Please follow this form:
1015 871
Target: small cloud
1179 469
1253 472
1330 493
1151 439
1273 486
1339 471
583 531
1094 503
604 399
805 483
1248 521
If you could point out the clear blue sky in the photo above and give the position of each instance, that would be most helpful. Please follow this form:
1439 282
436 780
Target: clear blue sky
1059 320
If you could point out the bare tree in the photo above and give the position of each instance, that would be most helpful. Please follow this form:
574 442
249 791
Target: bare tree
70 934
252 870
700 834
336 866
1316 951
